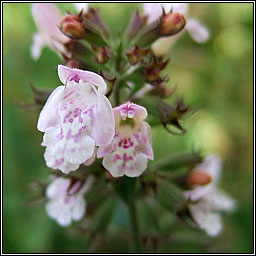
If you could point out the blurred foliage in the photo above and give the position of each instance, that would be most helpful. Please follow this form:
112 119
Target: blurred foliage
216 78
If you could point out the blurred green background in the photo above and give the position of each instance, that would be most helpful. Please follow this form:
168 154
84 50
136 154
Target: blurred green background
216 77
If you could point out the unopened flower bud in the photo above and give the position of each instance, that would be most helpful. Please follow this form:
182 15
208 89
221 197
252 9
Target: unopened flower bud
93 17
153 72
137 55
161 90
168 25
136 24
171 115
72 26
198 177
73 63
172 23
102 54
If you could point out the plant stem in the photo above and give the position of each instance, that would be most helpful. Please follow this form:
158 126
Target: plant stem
135 226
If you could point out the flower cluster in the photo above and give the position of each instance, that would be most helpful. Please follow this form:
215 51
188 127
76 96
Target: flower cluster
97 124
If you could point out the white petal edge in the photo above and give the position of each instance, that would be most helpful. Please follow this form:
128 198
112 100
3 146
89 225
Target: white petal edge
199 32
48 116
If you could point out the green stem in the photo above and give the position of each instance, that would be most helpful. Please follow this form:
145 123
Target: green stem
135 226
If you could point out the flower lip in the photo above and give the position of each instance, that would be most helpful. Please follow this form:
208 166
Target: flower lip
68 74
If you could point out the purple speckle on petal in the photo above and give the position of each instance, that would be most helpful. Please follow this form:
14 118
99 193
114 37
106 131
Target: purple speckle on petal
67 95
116 157
80 119
120 143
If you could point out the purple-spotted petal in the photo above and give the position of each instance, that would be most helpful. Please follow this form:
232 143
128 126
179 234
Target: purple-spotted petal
49 114
140 165
60 164
80 151
66 73
111 163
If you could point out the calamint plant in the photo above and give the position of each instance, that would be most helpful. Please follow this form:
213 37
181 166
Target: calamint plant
97 125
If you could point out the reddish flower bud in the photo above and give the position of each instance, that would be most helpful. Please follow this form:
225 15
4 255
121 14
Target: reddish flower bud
102 54
172 23
198 178
73 63
72 26
137 55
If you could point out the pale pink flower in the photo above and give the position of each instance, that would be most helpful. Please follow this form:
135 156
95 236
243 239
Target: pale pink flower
76 118
47 17
66 199
199 32
131 148
206 201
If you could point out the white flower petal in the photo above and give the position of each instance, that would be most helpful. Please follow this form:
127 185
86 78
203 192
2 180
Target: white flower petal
61 163
79 207
47 17
198 192
199 32
112 166
80 151
177 7
37 45
49 115
103 129
58 187
221 201
153 11
205 218
146 141
139 166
